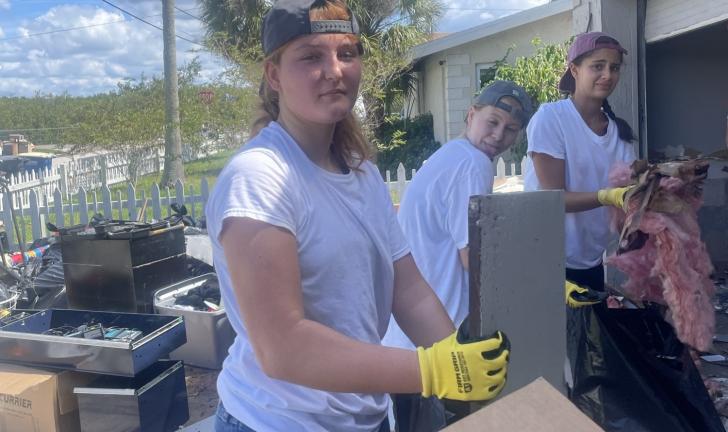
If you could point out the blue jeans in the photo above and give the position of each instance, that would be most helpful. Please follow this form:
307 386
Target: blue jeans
224 422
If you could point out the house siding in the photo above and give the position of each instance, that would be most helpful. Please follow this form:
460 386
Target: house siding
449 106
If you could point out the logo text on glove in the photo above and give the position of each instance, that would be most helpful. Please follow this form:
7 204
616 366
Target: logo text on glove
462 375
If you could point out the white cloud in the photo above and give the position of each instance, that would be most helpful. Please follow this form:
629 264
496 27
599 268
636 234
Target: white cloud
462 14
109 48
95 58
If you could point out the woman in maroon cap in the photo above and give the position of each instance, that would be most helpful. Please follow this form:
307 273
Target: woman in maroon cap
311 260
573 144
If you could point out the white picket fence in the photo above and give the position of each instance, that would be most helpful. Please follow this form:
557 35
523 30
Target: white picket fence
508 178
64 210
91 172
38 199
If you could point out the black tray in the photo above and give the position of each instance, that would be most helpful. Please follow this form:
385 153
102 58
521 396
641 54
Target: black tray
24 342
153 401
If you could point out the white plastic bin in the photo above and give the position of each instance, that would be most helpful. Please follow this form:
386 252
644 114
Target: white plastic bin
209 334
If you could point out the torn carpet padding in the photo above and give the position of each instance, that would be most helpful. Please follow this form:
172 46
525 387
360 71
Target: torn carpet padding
660 249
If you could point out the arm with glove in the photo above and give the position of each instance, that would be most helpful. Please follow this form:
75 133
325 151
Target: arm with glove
466 369
578 296
616 197
454 365
550 172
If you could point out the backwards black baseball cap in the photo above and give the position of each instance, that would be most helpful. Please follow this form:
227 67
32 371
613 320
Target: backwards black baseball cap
497 90
289 19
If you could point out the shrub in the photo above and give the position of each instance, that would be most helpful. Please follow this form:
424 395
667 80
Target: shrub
410 141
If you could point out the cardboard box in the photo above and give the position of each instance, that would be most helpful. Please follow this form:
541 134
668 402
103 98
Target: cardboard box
39 400
535 407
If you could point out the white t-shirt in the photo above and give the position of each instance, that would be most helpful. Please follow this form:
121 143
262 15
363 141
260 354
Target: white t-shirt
558 130
348 239
434 218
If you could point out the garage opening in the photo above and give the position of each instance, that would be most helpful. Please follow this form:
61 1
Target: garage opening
687 110
687 93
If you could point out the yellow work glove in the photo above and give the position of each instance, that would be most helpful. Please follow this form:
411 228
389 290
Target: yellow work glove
614 196
577 296
463 369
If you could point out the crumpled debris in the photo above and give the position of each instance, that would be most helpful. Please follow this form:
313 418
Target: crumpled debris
718 391
660 249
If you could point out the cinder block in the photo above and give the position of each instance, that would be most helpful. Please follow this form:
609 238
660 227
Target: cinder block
459 104
456 117
517 280
454 70
456 128
458 59
455 93
458 82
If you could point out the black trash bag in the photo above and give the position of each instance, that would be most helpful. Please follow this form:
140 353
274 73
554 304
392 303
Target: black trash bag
631 373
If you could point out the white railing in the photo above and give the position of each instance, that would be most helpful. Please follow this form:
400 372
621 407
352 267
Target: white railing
508 178
76 208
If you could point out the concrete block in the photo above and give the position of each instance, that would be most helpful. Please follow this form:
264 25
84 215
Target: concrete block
458 59
458 82
455 130
456 117
455 93
517 280
459 104
454 70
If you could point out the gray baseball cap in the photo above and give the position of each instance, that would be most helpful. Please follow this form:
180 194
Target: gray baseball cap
289 19
497 90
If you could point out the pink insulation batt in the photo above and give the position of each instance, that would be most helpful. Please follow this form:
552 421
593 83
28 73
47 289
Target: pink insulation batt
673 267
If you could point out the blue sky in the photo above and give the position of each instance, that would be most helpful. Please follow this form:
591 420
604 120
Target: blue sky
112 46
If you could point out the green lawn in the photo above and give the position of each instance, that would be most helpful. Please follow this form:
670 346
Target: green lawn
194 173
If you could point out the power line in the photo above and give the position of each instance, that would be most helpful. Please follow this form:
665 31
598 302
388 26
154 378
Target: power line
148 23
67 29
187 13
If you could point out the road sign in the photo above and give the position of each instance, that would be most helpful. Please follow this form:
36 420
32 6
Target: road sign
206 96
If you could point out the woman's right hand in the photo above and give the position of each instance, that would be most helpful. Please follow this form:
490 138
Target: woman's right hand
616 197
465 369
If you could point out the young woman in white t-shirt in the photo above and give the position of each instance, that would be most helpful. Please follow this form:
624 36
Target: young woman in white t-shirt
311 260
574 143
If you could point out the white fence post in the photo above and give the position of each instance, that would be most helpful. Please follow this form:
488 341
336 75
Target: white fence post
500 170
104 171
401 181
523 165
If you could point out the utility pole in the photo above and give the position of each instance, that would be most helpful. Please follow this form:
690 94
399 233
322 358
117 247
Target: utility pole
173 167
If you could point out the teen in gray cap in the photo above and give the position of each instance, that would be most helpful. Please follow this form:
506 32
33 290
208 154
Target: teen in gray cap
310 258
434 218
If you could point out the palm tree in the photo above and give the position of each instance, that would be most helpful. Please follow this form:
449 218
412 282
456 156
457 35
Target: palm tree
389 28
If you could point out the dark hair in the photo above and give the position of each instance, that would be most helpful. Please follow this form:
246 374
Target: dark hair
624 129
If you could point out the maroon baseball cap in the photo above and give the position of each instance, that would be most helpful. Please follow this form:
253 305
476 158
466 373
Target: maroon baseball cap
583 44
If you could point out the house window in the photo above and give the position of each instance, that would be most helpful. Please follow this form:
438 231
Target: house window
484 73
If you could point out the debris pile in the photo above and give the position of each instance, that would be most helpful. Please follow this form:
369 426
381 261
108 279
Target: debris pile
660 249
